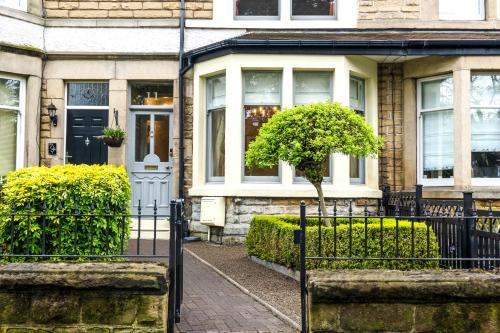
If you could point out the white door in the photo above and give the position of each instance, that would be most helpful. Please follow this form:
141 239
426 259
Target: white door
150 157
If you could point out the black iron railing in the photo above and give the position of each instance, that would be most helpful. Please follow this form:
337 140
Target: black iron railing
39 233
396 240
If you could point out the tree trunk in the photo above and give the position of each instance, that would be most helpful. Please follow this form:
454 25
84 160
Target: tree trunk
322 205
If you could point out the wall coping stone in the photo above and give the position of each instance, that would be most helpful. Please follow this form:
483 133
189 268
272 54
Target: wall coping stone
144 278
388 286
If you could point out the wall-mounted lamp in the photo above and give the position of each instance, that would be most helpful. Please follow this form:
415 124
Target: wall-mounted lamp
52 114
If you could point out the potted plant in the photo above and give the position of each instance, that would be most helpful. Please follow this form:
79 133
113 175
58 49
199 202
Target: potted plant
113 137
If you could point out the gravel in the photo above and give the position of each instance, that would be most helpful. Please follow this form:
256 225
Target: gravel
276 289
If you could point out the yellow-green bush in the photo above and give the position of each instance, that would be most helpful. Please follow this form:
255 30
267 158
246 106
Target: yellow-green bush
61 189
270 238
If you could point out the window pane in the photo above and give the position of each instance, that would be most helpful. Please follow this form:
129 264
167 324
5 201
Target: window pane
88 94
461 9
485 90
255 117
262 88
217 143
313 7
485 143
142 138
311 87
437 133
8 140
257 7
9 92
152 93
357 94
216 92
162 142
437 94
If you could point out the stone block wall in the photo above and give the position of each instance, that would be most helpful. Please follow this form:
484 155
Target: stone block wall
395 301
240 211
94 9
390 96
83 297
389 10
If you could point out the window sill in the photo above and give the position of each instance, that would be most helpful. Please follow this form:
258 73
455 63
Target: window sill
280 190
20 14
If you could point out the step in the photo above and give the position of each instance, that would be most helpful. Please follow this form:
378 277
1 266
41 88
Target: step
147 228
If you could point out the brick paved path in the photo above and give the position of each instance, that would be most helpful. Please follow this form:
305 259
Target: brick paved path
212 304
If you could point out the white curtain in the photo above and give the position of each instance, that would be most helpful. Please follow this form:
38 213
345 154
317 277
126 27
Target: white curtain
438 140
216 88
310 87
262 88
461 9
485 130
8 139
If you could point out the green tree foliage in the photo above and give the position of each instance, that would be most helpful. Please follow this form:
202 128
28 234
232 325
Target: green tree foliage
305 136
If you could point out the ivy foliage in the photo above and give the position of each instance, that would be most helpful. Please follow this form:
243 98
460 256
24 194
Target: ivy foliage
271 238
305 136
85 211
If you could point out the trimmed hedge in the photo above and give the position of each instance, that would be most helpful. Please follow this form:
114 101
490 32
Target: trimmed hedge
60 188
270 238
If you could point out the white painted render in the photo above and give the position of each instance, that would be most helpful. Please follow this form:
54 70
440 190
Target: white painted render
233 65
20 33
223 17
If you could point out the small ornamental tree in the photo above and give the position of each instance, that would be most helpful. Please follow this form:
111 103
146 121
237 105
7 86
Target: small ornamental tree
305 136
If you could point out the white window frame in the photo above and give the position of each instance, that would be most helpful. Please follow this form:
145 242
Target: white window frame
361 180
326 180
420 139
22 5
21 111
258 179
256 17
482 181
314 17
460 16
209 134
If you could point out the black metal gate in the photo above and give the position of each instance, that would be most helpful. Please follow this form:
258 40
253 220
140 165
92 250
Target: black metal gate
175 264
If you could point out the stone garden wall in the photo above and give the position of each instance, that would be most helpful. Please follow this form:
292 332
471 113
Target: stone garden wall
240 210
396 301
84 297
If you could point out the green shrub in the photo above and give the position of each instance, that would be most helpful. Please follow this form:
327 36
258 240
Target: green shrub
60 188
270 238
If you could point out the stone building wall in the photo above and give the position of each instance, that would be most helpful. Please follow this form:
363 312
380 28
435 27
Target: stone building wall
389 10
390 96
240 211
85 9
83 297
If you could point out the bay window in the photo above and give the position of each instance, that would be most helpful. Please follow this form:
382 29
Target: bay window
261 100
485 125
314 8
10 125
357 103
313 87
461 10
435 111
256 8
216 123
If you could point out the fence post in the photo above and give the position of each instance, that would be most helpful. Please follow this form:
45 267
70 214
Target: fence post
386 193
418 200
171 270
179 275
469 225
302 248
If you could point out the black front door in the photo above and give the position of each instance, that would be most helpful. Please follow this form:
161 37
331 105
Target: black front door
82 144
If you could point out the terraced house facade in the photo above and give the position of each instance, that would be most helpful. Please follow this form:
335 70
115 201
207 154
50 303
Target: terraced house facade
191 82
